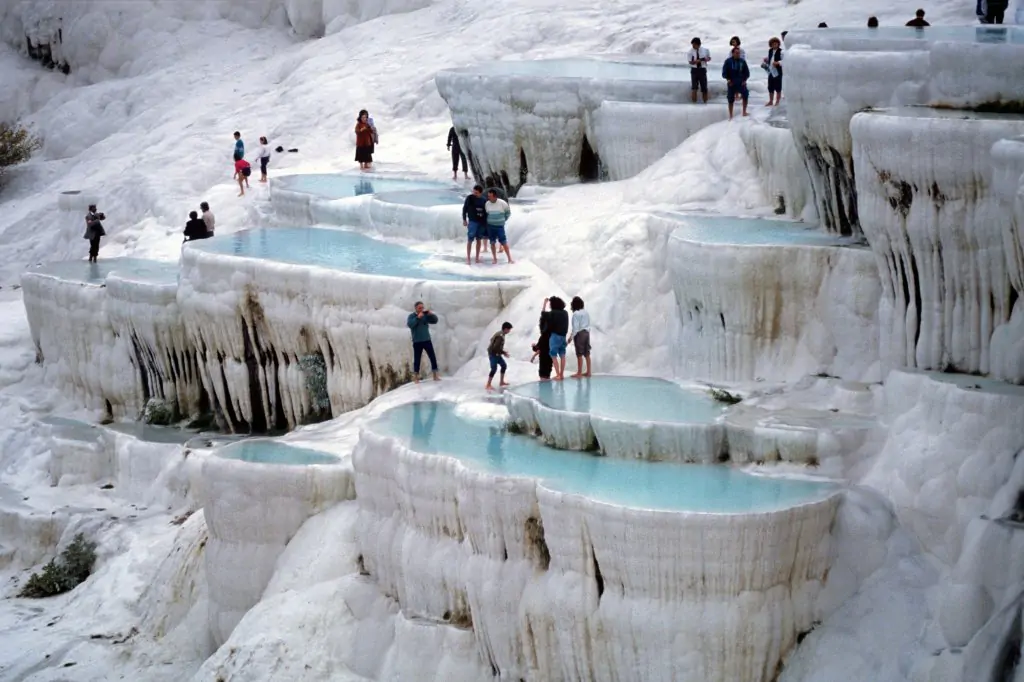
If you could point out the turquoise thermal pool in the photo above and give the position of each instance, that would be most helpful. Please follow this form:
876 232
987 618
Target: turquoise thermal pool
629 399
584 68
343 186
434 428
267 451
423 197
708 229
138 269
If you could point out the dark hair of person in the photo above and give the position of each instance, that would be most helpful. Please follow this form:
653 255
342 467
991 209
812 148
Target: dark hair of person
193 215
735 39
576 304
695 41
263 139
493 191
556 303
478 188
92 207
823 25
784 34
872 22
506 325
204 206
417 303
361 112
919 13
238 134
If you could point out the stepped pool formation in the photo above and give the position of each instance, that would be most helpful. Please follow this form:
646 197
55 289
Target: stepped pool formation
433 536
771 299
625 417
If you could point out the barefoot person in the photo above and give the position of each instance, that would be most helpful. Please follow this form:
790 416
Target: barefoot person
419 323
541 349
364 141
699 58
474 219
497 215
455 147
242 172
94 231
263 156
580 336
773 65
558 324
239 146
736 73
496 354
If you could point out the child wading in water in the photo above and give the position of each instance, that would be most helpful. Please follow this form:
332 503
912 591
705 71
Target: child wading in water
496 354
580 335
242 172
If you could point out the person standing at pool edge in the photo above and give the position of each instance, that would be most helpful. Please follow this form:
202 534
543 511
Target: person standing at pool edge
242 172
455 147
496 355
474 219
498 213
580 336
699 58
773 65
736 73
239 146
419 325
364 141
94 231
558 324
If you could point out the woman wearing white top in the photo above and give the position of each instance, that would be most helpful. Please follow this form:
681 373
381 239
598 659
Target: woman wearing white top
580 335
735 42
263 154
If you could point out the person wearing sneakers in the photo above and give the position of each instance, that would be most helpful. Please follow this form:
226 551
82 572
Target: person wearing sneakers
699 58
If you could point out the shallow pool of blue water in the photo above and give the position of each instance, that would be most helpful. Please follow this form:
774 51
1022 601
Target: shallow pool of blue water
712 229
604 68
435 428
344 185
267 451
424 197
335 249
139 269
632 399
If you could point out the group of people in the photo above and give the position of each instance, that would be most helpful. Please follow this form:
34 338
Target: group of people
200 224
557 330
242 167
484 218
736 72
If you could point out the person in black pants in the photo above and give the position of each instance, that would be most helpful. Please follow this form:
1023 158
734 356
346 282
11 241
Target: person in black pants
419 325
541 347
456 148
94 231
995 10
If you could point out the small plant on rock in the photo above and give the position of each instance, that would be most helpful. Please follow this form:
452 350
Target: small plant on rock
16 146
64 573
723 396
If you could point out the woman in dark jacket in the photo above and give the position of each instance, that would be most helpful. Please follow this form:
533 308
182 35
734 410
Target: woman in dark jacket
541 347
364 141
94 231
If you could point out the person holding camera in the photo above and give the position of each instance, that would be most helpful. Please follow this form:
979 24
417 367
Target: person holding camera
94 231
419 323
773 65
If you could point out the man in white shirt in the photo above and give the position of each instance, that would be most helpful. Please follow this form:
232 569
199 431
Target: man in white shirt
699 58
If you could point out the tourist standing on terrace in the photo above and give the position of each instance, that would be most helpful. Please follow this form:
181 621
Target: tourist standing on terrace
263 156
419 324
498 213
558 325
736 73
242 172
735 42
543 345
239 146
496 354
455 147
195 228
474 219
94 231
208 217
918 20
699 58
773 65
992 11
364 141
580 336
872 22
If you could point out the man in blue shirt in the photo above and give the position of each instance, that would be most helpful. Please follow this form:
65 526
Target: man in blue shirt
736 73
474 219
419 324
239 146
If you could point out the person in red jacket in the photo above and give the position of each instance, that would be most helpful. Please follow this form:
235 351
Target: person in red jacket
242 172
364 141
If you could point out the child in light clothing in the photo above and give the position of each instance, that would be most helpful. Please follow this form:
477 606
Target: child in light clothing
580 336
496 354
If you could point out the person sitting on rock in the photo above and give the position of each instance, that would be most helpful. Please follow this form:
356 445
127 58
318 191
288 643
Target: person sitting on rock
496 354
455 147
918 20
699 58
736 73
195 228
208 217
419 323
498 213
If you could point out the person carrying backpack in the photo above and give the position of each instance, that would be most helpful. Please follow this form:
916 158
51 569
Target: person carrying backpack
496 355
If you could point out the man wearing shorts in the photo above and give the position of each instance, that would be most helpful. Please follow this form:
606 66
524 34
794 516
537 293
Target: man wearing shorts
497 214
699 58
736 73
474 219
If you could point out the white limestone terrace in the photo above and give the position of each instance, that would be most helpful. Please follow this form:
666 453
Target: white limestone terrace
389 205
770 299
259 304
834 73
255 495
541 120
780 165
939 233
608 569
84 343
1008 187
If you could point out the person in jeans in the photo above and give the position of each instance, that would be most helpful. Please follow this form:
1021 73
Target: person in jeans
263 156
496 354
736 73
419 324
498 213
474 219
455 147
580 336
773 65
558 324
699 58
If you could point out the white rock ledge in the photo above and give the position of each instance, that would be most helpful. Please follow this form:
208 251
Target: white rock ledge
938 231
252 510
780 167
557 586
771 299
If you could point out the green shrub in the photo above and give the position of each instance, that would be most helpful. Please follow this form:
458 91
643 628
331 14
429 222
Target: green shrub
16 145
723 396
65 573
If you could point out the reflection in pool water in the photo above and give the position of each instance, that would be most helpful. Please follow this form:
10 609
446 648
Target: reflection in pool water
138 269
343 185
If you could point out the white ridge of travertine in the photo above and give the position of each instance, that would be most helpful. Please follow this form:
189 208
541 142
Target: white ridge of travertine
824 89
780 167
395 219
271 314
82 353
252 511
928 208
953 83
776 312
1007 349
630 136
556 586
